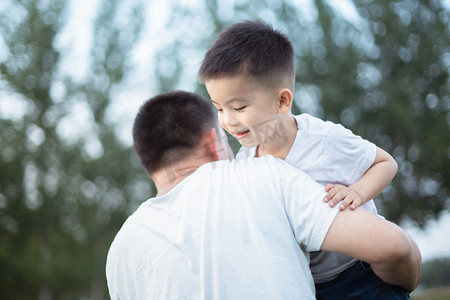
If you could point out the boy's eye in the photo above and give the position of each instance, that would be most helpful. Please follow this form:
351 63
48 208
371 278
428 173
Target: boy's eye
240 108
220 110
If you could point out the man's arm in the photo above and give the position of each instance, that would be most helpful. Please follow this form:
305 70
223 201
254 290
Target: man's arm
376 178
391 252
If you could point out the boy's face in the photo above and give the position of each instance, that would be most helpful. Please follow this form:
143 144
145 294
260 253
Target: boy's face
243 106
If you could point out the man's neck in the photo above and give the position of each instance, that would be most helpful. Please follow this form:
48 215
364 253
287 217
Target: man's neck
167 178
281 143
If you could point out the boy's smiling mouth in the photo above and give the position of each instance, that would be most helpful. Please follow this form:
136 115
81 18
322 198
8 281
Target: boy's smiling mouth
241 134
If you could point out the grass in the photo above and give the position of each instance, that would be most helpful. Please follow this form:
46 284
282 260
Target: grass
432 294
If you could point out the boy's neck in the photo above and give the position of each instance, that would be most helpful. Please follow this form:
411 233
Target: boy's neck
280 145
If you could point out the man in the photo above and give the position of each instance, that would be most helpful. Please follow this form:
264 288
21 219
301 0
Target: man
231 229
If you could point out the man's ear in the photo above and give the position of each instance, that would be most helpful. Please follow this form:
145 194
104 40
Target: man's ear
209 145
285 98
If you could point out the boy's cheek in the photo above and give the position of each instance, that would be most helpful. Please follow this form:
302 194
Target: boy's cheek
220 120
224 127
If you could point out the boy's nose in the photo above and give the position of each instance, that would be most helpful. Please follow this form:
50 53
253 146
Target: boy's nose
229 119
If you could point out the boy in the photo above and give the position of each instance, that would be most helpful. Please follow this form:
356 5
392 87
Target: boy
249 74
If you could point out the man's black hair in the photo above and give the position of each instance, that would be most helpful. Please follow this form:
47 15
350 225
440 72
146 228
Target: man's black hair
169 126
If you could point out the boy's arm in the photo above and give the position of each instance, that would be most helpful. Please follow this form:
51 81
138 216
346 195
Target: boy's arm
376 178
391 252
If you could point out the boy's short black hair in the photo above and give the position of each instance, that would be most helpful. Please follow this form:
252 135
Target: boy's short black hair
251 48
169 126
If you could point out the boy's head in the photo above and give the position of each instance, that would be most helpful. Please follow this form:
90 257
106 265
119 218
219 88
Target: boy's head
254 50
249 74
169 127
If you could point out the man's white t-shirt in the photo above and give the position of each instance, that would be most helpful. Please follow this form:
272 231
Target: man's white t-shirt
329 153
230 230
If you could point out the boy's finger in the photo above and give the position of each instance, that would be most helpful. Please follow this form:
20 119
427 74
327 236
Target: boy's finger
337 198
328 187
356 203
334 200
330 195
349 199
344 205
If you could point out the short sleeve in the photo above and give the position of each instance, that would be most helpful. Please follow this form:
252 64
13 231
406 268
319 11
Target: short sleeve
347 156
309 217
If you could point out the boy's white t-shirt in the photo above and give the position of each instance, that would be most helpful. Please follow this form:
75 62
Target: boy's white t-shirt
228 231
329 153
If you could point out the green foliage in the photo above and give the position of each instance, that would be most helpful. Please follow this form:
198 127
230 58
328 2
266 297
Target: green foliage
62 202
436 273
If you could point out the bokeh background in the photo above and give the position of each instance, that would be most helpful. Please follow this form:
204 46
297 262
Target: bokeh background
73 74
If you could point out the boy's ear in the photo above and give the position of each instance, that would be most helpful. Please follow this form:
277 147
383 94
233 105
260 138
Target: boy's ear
285 98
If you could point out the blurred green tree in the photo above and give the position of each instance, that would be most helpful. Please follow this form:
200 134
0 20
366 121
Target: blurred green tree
436 273
63 194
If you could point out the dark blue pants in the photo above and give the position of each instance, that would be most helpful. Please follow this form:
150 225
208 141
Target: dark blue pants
359 282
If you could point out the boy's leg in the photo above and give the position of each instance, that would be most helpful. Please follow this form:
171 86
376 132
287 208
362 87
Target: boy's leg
359 282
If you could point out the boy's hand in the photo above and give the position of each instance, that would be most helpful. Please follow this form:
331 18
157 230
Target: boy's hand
338 192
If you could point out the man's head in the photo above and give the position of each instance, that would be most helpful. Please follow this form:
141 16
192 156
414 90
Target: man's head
249 74
171 127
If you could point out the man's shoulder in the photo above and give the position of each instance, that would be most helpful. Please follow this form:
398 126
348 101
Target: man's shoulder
246 163
245 152
127 227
